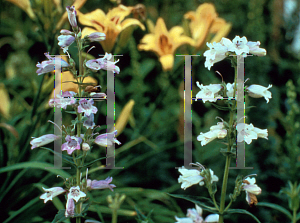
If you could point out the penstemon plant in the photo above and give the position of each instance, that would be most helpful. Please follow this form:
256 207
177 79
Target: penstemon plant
80 136
235 131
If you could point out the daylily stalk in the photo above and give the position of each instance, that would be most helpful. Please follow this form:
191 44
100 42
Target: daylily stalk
228 158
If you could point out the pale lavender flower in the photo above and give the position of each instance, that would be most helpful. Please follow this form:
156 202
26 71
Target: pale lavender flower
103 63
87 107
195 216
89 124
61 101
239 46
72 16
96 36
48 65
73 143
75 193
101 184
251 190
70 207
43 140
190 177
255 50
65 41
107 139
98 95
51 193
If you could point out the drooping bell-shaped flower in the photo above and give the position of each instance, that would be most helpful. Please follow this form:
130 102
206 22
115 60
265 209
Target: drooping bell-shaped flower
107 139
51 193
48 65
100 184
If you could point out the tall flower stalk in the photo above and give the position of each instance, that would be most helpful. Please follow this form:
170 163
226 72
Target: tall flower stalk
77 187
235 132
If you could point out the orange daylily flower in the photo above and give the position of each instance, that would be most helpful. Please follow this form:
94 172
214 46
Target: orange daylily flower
111 24
164 42
204 21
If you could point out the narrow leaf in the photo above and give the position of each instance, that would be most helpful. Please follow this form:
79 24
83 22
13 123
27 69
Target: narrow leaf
276 207
242 211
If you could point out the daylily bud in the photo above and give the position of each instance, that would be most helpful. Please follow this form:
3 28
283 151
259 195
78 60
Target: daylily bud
85 146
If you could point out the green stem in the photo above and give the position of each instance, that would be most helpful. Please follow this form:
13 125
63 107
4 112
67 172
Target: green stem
114 216
294 216
230 143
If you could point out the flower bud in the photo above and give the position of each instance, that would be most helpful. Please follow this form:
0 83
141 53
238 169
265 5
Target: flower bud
85 146
66 32
96 36
72 16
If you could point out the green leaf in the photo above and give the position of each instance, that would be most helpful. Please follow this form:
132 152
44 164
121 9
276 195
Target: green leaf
90 163
242 211
71 112
37 165
298 216
276 207
195 200
60 216
64 157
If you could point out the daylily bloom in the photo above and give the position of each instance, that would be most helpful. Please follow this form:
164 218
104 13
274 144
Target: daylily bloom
164 42
73 143
70 208
195 216
258 91
201 21
51 193
248 132
65 41
190 177
111 24
75 193
87 107
251 190
48 66
72 16
43 140
103 63
209 92
61 101
101 184
107 139
216 131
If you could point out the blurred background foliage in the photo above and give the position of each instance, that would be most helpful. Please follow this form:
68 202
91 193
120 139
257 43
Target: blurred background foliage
152 142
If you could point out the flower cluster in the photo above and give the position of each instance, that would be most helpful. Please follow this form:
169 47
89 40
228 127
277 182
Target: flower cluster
195 216
212 92
224 48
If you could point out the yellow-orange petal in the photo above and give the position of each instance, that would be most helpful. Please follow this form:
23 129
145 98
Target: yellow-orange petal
147 43
167 61
160 27
222 33
90 19
5 101
130 22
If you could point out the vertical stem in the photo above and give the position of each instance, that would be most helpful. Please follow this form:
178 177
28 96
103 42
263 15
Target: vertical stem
230 143
114 216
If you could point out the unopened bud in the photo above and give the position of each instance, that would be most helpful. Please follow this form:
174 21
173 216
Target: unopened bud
85 146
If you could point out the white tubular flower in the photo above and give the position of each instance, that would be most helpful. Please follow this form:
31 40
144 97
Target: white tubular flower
212 218
190 177
51 193
251 190
215 54
216 131
239 46
209 92
245 133
229 89
255 50
75 193
248 132
214 178
258 91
